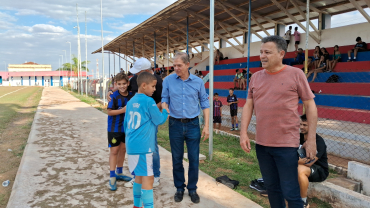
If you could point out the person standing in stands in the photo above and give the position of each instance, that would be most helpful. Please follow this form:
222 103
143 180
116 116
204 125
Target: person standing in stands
233 101
288 35
316 170
297 38
273 95
360 46
185 95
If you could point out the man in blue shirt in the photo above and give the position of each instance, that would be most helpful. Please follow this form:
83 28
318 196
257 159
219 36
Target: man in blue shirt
182 93
299 59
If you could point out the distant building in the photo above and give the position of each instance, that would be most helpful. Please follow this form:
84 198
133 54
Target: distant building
33 74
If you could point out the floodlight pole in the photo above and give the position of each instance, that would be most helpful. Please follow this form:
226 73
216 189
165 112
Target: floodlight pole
109 63
102 48
70 65
155 54
78 55
86 54
249 43
211 54
65 55
307 36
59 69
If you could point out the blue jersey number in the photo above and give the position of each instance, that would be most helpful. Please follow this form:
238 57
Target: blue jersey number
131 122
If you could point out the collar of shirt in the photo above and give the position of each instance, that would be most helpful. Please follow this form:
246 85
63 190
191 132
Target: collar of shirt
191 76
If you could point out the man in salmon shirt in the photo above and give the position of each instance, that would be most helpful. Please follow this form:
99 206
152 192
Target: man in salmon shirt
273 94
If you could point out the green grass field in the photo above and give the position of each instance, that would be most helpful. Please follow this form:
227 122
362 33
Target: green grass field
17 111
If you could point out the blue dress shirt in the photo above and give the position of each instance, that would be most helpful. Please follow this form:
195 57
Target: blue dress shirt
183 97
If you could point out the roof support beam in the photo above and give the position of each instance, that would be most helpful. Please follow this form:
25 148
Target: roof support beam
294 19
367 3
222 37
231 35
360 9
304 16
259 25
124 58
312 7
239 20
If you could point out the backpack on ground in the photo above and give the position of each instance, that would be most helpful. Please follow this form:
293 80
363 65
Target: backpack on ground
333 79
227 182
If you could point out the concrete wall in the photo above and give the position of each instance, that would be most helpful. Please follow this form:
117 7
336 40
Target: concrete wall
360 172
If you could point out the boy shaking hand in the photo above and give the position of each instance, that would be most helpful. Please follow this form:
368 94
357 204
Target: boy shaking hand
141 120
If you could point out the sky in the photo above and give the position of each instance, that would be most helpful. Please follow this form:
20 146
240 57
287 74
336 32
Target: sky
37 30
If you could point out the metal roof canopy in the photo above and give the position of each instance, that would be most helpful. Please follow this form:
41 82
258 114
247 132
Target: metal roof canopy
231 20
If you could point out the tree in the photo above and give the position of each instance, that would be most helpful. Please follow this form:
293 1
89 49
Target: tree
66 66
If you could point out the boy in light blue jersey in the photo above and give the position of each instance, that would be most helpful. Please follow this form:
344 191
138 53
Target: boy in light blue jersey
141 119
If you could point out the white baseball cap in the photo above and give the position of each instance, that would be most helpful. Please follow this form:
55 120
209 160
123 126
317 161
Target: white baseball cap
140 65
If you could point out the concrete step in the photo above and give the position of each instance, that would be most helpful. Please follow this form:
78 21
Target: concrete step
346 183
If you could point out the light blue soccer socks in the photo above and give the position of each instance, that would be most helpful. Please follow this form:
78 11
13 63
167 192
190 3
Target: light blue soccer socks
147 197
137 195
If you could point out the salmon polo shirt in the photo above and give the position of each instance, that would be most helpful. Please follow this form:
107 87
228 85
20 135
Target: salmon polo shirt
275 99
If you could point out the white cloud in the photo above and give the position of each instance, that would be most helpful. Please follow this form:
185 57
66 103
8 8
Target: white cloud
6 20
44 28
121 27
104 31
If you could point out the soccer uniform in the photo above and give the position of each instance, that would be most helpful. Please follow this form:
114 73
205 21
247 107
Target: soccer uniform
217 111
141 120
234 106
116 133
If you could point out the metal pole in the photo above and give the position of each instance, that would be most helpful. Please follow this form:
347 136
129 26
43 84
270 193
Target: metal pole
307 35
119 59
114 63
60 69
133 52
168 54
78 54
187 35
70 65
65 55
86 54
155 54
102 48
211 54
109 63
249 44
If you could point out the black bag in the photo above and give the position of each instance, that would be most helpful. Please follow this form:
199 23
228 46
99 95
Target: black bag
227 182
333 79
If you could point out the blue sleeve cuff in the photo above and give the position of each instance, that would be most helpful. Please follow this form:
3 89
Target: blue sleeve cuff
165 100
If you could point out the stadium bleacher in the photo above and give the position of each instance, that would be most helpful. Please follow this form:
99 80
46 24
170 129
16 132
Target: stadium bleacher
347 100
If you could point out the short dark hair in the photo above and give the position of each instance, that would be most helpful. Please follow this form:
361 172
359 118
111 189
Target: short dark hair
358 39
279 42
232 89
236 70
216 94
296 28
304 117
290 27
121 76
145 77
300 49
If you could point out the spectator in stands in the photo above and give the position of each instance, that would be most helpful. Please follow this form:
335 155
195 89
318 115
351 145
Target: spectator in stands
297 38
316 55
237 78
218 56
121 70
172 69
360 46
163 69
326 55
310 65
217 112
243 81
275 104
233 101
299 59
316 170
322 67
131 66
288 35
200 75
196 73
337 57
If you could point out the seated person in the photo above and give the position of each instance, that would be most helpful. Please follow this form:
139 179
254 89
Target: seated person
360 46
218 56
321 68
310 65
337 57
316 55
326 55
200 75
237 78
299 59
243 81
196 73
315 171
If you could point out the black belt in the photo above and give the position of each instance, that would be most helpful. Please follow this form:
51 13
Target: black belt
184 120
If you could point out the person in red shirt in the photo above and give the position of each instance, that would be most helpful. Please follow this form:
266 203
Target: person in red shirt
217 112
273 95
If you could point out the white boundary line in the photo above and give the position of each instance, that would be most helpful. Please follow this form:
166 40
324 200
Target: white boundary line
12 92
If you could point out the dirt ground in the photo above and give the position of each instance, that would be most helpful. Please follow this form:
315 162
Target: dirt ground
17 112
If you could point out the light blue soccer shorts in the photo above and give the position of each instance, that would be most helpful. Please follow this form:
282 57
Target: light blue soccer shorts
141 165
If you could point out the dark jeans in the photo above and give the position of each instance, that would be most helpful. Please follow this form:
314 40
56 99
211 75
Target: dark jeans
279 168
190 133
